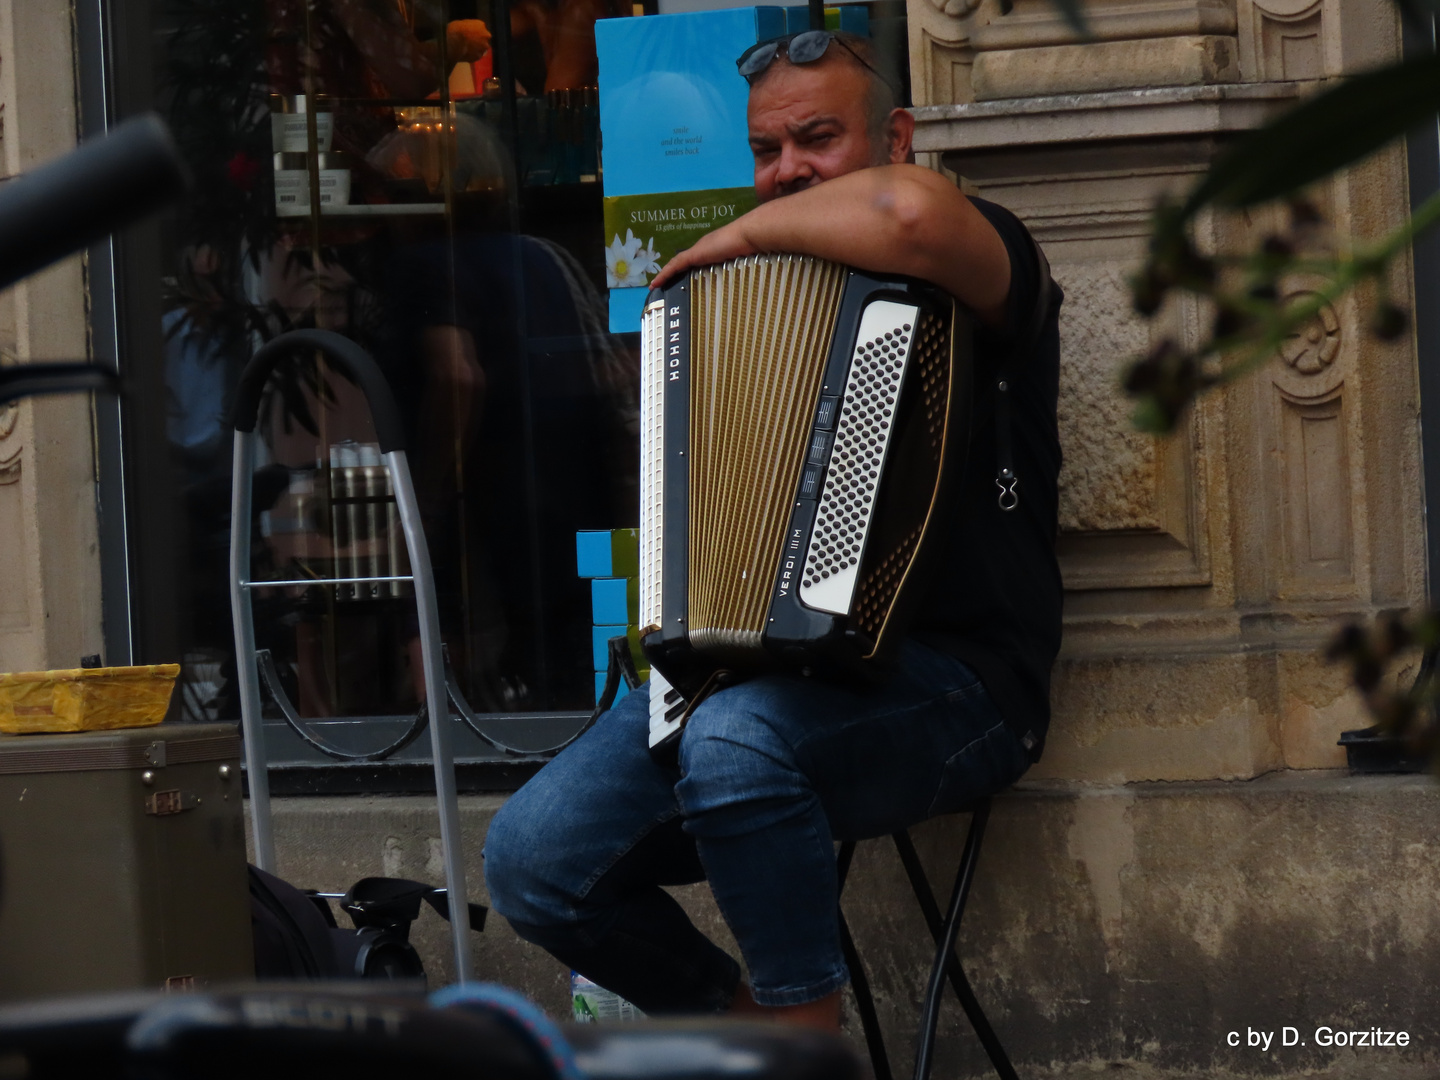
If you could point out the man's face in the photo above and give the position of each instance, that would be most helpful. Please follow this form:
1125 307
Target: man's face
808 124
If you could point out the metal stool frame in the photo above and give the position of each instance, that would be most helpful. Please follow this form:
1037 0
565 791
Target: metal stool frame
946 964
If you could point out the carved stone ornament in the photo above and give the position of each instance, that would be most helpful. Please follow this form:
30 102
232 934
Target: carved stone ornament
1288 10
1313 348
9 414
10 469
956 9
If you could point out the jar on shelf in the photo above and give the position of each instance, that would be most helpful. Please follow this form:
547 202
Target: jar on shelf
290 128
292 182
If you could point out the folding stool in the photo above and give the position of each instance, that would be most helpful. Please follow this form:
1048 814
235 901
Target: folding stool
947 963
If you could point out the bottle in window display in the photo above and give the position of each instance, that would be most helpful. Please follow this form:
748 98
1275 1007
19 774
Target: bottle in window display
345 530
372 490
397 555
293 531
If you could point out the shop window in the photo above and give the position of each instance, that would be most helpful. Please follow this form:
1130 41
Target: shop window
423 177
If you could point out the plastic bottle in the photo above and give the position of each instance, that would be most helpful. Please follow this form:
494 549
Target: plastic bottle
591 1003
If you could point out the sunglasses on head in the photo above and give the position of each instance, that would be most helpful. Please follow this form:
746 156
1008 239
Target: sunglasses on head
803 48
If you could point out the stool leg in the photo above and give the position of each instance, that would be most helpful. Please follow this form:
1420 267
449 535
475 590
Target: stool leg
865 1003
859 981
946 962
931 911
842 864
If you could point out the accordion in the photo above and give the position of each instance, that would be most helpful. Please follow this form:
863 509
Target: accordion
800 423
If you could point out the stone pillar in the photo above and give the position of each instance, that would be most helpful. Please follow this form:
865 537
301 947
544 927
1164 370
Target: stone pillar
1204 571
49 557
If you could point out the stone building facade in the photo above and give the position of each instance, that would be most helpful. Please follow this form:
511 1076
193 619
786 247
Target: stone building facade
50 612
1204 570
1188 855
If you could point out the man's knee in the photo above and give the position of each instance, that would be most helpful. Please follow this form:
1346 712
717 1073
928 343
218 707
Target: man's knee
738 771
518 872
728 736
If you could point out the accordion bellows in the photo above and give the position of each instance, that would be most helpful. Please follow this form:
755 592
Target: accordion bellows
799 421
773 356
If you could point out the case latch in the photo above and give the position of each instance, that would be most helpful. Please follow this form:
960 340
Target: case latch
174 801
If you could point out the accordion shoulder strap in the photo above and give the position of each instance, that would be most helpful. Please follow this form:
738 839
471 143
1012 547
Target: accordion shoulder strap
1025 340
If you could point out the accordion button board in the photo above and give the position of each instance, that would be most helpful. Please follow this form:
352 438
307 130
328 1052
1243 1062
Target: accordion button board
856 456
800 421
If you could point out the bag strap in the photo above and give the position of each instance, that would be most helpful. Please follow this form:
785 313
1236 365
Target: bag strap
1005 478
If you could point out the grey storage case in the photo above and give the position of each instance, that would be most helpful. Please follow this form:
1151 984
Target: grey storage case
122 861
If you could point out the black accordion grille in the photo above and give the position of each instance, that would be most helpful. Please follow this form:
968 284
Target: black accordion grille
760 331
917 466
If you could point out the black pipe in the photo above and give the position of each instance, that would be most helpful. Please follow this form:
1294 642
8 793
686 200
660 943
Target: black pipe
105 185
28 380
343 354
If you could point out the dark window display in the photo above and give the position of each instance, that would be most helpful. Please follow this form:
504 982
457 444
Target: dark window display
424 178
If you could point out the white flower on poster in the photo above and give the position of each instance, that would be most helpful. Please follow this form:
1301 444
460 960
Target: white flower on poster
650 256
627 262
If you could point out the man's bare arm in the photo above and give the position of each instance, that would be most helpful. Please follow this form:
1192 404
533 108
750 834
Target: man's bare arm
896 219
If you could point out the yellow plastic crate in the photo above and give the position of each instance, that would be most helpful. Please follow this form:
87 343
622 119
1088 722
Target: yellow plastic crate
85 699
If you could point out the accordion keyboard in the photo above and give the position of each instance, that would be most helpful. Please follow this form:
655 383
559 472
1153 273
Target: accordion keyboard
666 708
652 458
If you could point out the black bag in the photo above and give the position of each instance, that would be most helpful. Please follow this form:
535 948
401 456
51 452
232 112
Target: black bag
296 936
292 937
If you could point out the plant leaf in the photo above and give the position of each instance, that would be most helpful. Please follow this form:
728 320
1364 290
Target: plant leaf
1331 130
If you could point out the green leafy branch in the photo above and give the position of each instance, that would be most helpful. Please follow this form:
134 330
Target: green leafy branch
1253 317
1335 128
1406 712
1253 321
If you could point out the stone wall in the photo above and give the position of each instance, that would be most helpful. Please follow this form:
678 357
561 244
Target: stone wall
1204 571
50 569
1187 860
1122 931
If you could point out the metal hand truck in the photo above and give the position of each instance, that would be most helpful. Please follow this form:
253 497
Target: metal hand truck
356 363
257 665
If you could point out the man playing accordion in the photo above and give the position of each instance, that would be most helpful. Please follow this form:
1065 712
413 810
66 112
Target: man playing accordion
773 770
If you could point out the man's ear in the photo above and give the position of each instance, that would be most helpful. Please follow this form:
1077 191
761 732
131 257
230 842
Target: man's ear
900 135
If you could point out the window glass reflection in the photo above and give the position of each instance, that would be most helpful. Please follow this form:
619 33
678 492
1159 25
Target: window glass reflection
425 182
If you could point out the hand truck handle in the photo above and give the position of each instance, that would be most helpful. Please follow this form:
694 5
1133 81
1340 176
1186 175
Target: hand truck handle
349 357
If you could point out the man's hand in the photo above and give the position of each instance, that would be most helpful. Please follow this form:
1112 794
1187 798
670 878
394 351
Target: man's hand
717 246
891 219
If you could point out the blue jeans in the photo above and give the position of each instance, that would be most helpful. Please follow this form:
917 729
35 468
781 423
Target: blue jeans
772 772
